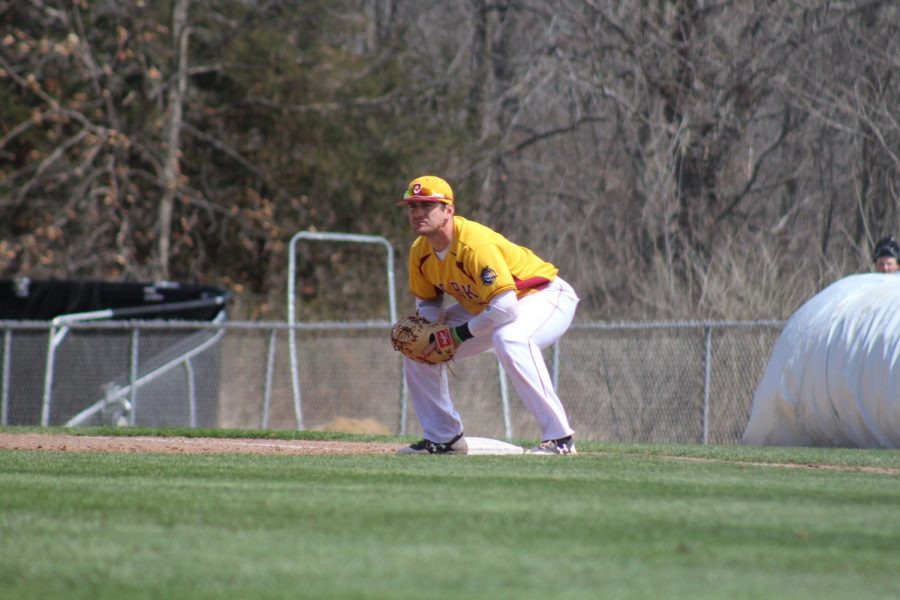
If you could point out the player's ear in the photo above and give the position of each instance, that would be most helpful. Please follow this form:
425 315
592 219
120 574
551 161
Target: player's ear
448 208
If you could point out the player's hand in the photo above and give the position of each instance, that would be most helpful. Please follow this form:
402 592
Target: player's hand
436 349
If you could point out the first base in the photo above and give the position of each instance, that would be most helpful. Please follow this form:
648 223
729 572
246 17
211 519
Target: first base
482 446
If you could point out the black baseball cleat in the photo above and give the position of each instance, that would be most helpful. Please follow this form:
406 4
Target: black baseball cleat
564 445
457 445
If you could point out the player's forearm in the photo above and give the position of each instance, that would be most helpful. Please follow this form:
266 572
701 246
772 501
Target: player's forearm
430 309
503 309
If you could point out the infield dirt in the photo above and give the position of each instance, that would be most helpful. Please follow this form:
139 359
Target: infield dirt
185 445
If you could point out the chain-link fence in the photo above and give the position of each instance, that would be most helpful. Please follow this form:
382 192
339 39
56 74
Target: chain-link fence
663 382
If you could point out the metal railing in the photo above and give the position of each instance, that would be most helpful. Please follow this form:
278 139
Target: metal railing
125 396
293 304
59 328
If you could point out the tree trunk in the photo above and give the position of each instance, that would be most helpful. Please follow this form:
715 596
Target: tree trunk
171 166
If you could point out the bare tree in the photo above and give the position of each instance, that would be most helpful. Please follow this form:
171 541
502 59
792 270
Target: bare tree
674 159
171 170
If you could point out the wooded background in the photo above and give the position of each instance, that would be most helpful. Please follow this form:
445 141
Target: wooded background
676 159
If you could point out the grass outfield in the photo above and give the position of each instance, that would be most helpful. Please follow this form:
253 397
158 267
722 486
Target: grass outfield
617 521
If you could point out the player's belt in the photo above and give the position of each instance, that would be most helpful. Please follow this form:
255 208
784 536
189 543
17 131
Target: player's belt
532 283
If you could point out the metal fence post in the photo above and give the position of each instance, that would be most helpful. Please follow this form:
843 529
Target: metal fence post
7 361
707 366
270 369
133 374
504 399
52 342
292 333
404 396
192 394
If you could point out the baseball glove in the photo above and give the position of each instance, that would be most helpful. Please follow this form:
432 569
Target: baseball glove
423 341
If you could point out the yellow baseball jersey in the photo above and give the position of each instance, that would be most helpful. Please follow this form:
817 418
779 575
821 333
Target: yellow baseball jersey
480 264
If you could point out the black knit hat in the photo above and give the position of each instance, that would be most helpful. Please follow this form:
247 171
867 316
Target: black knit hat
886 247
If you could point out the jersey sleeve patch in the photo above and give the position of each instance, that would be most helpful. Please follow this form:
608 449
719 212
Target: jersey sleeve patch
488 276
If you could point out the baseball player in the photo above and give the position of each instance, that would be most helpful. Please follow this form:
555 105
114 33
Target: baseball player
507 299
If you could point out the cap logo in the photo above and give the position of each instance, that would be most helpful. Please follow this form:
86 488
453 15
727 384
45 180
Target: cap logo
417 189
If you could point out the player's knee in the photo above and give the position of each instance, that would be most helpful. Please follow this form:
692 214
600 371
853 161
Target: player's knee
506 337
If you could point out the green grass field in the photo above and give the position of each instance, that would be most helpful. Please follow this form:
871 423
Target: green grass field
617 521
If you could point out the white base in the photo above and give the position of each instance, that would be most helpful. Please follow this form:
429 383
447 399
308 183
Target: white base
480 446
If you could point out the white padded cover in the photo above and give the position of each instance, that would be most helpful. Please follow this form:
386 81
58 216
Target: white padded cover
833 378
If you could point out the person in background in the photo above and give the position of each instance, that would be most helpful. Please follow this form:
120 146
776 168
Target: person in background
886 255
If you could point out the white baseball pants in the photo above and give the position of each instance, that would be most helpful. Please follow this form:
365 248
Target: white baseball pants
544 317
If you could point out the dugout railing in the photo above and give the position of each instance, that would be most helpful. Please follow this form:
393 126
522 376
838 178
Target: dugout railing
666 382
